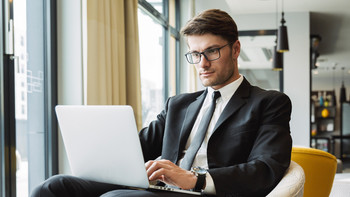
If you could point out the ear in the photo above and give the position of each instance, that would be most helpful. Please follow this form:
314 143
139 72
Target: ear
236 49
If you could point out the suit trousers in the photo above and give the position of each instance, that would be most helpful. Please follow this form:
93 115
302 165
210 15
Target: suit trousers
70 186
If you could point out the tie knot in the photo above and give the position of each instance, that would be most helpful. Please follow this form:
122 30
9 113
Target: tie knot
216 95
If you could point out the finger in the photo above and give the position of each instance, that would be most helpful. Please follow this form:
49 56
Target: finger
151 167
148 164
165 161
157 175
160 164
161 169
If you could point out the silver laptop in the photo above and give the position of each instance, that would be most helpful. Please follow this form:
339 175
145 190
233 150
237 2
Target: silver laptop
102 144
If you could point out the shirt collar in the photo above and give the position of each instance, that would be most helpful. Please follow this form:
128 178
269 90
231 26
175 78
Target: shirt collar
228 90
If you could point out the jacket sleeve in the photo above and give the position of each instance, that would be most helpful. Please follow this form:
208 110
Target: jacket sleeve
151 137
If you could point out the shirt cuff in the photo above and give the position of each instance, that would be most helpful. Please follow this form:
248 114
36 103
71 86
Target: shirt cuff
209 185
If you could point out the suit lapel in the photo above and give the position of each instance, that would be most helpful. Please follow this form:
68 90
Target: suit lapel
236 102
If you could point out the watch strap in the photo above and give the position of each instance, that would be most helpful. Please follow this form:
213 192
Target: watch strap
200 182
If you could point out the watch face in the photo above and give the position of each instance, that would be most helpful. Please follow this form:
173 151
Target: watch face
199 170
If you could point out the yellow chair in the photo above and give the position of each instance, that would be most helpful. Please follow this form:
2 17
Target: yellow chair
319 167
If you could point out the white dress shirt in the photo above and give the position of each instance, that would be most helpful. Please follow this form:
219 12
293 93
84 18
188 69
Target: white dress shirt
201 157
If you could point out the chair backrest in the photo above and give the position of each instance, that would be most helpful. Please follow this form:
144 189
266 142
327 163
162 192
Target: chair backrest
319 167
292 183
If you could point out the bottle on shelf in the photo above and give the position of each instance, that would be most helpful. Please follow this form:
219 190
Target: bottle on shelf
320 97
326 100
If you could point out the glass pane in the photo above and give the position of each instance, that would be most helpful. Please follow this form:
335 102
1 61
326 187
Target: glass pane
264 78
152 69
255 61
29 90
157 4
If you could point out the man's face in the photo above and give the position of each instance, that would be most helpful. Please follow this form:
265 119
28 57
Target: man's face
220 72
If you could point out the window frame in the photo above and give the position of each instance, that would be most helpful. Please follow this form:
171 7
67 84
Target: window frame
168 30
50 85
261 33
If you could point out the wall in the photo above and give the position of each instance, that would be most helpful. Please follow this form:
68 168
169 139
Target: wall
70 62
297 76
296 61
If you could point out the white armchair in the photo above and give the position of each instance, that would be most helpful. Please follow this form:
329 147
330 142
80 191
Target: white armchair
292 183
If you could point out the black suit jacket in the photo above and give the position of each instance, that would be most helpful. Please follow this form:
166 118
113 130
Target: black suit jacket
249 149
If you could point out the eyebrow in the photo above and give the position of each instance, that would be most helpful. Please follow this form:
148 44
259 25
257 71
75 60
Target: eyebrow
210 47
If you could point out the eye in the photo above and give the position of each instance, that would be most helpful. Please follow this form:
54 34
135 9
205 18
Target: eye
195 55
210 51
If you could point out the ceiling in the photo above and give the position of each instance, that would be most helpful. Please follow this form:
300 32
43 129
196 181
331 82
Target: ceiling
328 18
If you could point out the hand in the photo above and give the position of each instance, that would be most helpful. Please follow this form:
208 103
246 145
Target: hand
171 174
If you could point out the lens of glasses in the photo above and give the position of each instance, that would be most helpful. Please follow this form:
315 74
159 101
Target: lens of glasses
210 55
193 58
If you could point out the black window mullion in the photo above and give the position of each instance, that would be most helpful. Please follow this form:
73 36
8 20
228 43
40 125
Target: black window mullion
2 141
174 32
8 124
50 85
177 37
166 49
166 63
166 11
9 132
178 70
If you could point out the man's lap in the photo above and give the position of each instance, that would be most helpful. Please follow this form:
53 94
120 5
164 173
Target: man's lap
143 193
66 185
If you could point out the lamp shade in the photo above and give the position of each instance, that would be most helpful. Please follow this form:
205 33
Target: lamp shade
277 60
342 93
334 99
282 39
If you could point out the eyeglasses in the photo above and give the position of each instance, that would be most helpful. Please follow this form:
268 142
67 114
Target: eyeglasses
209 54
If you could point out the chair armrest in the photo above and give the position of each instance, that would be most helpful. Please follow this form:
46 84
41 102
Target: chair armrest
292 183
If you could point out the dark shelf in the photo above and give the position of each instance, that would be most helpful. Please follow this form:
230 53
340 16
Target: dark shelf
323 126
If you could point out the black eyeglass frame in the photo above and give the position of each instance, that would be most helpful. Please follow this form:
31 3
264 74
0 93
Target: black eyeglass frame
203 53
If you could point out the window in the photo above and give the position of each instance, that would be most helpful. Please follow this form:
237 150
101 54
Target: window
255 59
152 68
157 4
159 43
28 75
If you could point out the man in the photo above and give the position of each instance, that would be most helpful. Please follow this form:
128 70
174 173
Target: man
247 144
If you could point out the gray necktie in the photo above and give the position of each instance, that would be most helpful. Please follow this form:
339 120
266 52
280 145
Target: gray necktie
199 137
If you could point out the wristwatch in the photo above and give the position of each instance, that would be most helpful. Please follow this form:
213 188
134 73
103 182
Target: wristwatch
201 174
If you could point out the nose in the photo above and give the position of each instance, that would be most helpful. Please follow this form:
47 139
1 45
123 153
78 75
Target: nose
204 62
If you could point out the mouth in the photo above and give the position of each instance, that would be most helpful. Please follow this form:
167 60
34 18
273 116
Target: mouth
206 73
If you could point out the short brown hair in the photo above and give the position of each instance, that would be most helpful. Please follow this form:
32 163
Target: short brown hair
214 21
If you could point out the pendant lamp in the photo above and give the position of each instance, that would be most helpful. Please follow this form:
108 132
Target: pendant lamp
342 98
342 89
334 99
277 56
282 42
277 60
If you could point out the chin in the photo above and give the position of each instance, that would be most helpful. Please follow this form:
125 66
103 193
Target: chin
205 83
